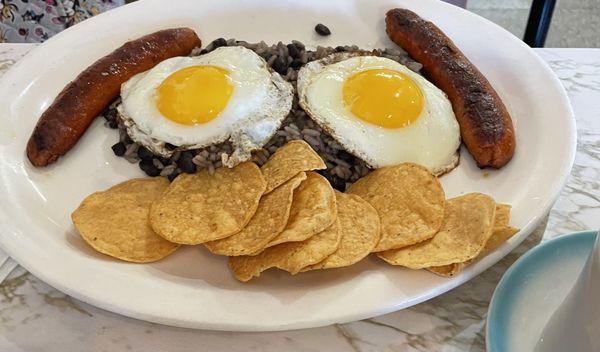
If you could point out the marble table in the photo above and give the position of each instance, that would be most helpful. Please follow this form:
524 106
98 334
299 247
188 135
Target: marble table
36 317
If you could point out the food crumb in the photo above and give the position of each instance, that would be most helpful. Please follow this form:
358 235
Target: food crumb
486 174
322 29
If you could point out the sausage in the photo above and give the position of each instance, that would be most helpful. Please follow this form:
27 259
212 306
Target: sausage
485 124
64 122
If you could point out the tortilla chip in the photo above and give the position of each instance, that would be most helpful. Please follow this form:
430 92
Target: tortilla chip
502 218
467 226
288 161
200 207
291 257
447 270
500 234
115 221
313 210
409 201
269 220
359 228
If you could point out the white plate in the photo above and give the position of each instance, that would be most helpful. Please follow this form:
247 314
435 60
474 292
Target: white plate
193 288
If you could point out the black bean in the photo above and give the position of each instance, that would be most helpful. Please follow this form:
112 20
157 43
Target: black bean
163 160
266 55
322 29
144 154
174 157
119 149
347 157
280 66
110 114
299 45
219 42
296 64
173 175
185 162
148 167
293 51
335 181
128 140
340 48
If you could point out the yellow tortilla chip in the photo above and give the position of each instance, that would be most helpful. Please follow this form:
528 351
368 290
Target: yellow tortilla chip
115 221
313 210
500 234
447 270
409 201
291 257
502 218
359 230
201 207
467 226
288 161
269 220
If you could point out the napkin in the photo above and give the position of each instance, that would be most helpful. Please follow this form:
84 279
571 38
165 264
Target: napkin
7 265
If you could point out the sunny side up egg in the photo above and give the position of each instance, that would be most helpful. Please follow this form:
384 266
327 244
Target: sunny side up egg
381 111
194 102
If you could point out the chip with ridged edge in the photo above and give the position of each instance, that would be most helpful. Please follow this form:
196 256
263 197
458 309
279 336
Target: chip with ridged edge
269 220
289 160
291 257
313 210
115 221
409 200
359 228
467 226
501 233
201 207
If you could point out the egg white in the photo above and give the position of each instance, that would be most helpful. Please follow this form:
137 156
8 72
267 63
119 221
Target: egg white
432 140
259 102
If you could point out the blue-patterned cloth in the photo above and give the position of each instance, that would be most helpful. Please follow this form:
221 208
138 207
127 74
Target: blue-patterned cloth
33 21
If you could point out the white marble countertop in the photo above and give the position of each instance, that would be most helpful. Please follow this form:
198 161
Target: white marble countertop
36 317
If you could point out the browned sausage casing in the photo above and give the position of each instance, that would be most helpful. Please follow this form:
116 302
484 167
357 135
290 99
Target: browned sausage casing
485 125
74 109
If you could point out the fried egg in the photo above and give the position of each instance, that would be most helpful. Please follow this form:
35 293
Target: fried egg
194 102
380 111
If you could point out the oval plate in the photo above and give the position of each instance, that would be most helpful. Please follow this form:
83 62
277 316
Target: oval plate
195 289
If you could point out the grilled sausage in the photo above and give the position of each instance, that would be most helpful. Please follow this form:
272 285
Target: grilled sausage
64 122
485 124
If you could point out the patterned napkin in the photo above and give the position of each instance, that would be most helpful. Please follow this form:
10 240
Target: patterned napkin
33 21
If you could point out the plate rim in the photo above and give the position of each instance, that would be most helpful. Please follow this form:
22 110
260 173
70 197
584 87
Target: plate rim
471 272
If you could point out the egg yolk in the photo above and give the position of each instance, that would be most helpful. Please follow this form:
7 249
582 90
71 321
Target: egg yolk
383 97
194 95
